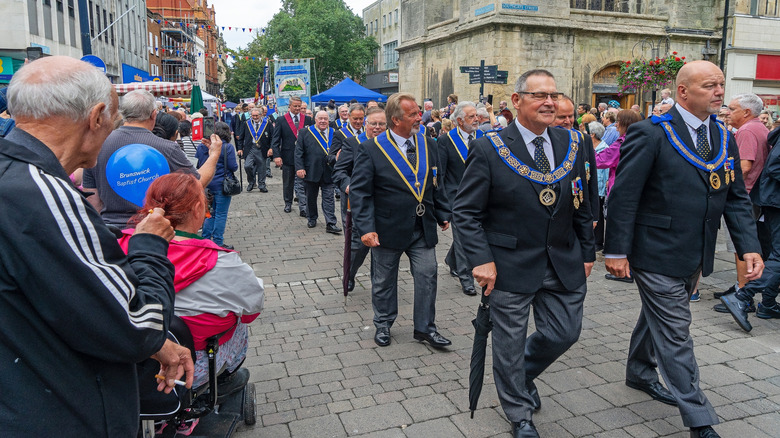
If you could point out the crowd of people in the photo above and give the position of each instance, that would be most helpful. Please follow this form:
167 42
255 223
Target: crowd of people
530 196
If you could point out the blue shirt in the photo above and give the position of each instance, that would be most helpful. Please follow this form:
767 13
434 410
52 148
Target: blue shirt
611 134
219 174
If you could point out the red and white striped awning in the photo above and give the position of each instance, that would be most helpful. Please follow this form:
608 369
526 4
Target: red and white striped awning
157 88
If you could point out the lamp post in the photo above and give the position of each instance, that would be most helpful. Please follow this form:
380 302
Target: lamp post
655 53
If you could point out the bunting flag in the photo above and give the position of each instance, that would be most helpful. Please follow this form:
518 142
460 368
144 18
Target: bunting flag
205 26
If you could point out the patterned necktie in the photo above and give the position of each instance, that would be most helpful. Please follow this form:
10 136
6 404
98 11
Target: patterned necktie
257 126
468 141
540 158
702 144
295 119
411 152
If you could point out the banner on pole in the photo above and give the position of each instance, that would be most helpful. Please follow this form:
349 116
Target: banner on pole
291 78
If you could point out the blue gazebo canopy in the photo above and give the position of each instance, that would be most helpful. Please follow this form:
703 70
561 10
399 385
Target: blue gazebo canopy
347 90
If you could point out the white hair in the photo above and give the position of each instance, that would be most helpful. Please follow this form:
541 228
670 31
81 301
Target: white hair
597 129
482 112
501 120
751 102
460 111
137 106
41 94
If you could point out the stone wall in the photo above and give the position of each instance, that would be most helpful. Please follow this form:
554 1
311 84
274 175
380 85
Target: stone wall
572 44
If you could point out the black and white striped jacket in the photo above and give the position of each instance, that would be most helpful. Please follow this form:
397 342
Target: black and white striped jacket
76 314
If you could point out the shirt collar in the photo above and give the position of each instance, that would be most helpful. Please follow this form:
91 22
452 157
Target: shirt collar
398 139
691 120
529 136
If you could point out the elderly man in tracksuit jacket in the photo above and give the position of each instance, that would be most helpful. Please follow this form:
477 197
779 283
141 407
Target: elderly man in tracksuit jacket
76 314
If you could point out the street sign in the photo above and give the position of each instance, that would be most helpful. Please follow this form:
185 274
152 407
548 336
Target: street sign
492 75
496 81
475 69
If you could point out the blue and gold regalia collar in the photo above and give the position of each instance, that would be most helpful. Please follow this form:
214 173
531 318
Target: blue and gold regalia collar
256 134
460 145
530 173
415 175
324 142
692 157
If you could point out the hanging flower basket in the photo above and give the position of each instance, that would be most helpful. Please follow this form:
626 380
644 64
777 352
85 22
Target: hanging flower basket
648 74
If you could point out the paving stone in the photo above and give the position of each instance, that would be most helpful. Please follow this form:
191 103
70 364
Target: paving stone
326 426
428 407
581 401
441 428
614 418
486 423
361 421
313 365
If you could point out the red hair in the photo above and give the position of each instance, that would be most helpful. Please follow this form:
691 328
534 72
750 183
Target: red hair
176 193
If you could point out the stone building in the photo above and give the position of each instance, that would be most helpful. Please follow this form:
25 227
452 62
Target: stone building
753 51
382 21
582 42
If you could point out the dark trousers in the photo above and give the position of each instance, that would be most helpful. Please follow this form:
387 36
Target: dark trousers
255 167
769 282
358 250
517 360
456 260
599 230
662 336
268 166
328 203
384 283
291 182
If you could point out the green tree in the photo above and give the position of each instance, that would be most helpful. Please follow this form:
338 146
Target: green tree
325 30
241 77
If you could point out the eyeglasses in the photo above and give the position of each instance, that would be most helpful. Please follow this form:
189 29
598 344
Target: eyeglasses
377 124
541 95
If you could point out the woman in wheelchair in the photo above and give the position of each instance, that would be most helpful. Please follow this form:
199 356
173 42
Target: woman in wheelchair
216 292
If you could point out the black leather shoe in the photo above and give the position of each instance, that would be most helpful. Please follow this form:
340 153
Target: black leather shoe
623 279
268 175
704 432
654 390
720 308
350 285
287 208
263 189
231 383
250 187
312 223
738 309
534 393
382 336
332 229
730 290
524 429
470 290
434 338
303 214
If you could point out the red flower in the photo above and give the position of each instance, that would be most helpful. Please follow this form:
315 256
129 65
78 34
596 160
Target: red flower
652 63
674 53
662 72
628 62
677 59
683 57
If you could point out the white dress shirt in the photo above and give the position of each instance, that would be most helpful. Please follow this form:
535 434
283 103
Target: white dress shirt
529 137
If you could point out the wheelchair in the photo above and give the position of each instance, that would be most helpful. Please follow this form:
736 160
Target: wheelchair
196 412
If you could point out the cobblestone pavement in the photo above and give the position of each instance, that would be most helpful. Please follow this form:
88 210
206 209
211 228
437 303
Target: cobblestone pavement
319 374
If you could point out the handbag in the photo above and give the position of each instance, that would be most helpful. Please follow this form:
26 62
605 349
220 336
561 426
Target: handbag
230 185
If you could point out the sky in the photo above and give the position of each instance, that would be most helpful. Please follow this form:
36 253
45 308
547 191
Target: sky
256 14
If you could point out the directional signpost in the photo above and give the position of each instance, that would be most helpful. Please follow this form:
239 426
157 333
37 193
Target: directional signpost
484 74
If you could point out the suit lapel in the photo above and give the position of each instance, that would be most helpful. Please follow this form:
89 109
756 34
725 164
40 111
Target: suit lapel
682 130
514 141
560 143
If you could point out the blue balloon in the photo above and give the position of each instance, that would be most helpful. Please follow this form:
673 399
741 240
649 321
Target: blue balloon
132 168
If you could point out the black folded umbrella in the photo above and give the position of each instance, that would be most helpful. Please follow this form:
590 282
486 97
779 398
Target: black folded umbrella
482 326
347 251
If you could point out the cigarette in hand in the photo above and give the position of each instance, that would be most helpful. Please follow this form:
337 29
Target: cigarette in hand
178 382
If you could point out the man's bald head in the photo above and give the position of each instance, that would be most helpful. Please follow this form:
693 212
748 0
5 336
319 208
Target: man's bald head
700 88
69 87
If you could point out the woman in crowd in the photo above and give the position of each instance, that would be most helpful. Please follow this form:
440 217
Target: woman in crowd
766 119
166 126
185 141
585 124
596 133
435 125
214 227
216 292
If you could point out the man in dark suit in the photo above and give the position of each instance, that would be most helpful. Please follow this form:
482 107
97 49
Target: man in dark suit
564 118
396 204
526 227
342 176
453 151
254 149
352 130
342 120
664 211
283 141
311 156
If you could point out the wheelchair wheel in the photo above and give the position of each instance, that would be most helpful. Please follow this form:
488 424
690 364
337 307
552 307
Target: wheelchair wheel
250 406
